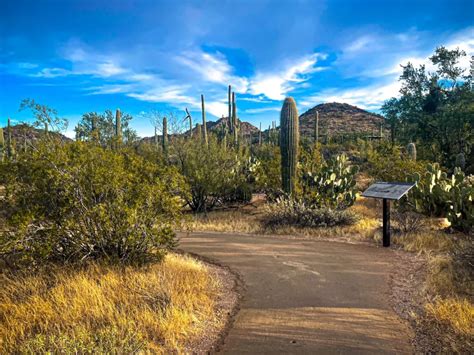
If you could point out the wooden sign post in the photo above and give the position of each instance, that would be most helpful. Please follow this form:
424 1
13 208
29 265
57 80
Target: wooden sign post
387 191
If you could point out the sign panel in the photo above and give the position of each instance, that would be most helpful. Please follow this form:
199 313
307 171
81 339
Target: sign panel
388 190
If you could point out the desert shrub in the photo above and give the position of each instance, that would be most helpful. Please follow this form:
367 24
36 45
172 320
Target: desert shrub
407 221
269 170
76 201
333 185
290 212
215 173
388 163
436 194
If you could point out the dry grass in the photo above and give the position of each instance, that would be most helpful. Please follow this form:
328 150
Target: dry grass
160 308
458 314
453 319
247 220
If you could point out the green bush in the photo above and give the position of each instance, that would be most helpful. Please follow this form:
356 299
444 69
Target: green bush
289 212
214 174
76 201
388 163
333 185
269 169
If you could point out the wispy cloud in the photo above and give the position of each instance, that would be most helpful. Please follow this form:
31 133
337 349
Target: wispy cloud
275 85
262 109
213 68
370 98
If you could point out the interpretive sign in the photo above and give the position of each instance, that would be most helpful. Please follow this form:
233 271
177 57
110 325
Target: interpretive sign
387 191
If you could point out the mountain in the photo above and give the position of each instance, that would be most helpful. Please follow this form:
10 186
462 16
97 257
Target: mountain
246 128
23 132
337 118
334 118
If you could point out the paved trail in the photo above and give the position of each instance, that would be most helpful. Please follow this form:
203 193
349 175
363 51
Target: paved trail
307 296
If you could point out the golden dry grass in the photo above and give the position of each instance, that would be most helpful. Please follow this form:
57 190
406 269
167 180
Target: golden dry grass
160 308
247 220
458 314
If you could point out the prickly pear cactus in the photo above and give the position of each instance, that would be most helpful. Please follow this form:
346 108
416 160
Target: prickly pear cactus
461 202
429 194
411 150
289 144
436 194
334 185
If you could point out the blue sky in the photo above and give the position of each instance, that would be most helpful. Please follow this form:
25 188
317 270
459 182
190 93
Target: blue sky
148 56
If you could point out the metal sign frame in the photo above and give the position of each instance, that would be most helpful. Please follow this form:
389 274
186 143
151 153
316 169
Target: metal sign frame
387 191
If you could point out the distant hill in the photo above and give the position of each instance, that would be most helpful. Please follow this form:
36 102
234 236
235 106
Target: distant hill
22 132
334 118
339 118
246 128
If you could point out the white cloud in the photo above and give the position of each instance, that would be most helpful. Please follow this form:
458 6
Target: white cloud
370 98
276 85
213 68
262 109
360 44
51 73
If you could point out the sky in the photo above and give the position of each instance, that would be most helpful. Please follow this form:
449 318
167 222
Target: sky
160 56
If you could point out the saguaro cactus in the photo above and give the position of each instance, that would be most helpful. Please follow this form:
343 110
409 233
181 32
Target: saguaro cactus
234 120
2 144
229 99
118 126
204 125
316 128
411 150
156 137
198 131
460 161
289 144
188 116
9 139
164 138
260 135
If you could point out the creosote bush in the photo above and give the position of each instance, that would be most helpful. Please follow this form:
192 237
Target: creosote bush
214 174
71 202
290 212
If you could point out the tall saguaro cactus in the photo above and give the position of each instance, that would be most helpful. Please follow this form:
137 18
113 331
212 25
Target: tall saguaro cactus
164 140
118 126
2 144
411 149
198 131
289 144
204 125
229 99
9 139
316 128
234 120
459 163
260 135
188 116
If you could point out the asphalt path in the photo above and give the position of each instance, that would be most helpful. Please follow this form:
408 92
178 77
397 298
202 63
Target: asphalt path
304 296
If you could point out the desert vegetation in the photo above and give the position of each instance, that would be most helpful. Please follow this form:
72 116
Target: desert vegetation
89 226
